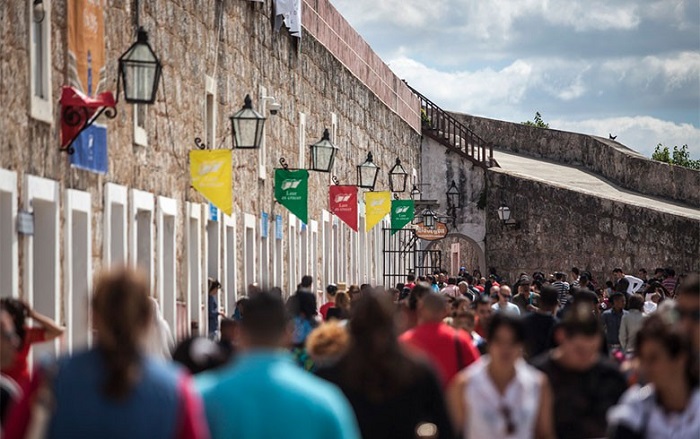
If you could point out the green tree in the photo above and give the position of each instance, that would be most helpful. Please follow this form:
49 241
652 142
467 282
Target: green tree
679 156
536 122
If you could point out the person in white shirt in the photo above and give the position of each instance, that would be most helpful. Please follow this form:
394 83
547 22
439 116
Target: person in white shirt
500 395
668 406
504 304
635 283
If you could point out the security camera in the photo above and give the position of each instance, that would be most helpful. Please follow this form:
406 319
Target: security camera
274 108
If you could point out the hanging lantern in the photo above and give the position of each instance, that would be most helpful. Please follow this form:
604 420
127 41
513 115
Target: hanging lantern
429 218
453 196
504 213
415 193
397 177
367 173
323 153
247 125
140 70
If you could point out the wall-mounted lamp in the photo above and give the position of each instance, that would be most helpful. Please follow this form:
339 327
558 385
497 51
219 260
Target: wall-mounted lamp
429 218
38 11
453 202
139 71
504 214
247 125
367 173
415 193
397 177
323 153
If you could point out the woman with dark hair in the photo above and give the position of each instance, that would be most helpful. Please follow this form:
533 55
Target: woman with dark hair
500 395
668 406
45 330
393 395
112 390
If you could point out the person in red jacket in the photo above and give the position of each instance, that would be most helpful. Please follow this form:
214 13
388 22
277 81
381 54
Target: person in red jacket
331 290
448 349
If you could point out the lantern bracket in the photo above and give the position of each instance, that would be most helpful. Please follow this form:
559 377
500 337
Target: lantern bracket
199 144
76 116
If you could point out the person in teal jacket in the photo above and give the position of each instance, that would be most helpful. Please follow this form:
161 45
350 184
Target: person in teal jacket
264 394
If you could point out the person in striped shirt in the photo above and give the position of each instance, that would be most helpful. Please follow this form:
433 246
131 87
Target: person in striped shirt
562 287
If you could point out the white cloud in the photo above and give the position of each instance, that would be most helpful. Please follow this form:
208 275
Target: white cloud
640 133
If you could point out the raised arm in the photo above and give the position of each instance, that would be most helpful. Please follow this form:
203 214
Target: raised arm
53 330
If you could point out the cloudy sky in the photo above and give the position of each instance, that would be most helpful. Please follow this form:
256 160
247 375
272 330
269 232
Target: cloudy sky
626 67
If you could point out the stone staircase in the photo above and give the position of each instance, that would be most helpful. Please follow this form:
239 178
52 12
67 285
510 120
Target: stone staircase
442 127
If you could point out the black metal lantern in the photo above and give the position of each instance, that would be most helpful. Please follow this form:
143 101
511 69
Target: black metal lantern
415 193
140 70
397 177
323 153
504 214
367 173
38 11
453 196
247 125
429 218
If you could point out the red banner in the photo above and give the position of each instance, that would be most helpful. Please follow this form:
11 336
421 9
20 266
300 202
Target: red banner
343 203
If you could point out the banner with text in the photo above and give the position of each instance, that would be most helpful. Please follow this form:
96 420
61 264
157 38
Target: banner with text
343 203
211 175
377 206
86 45
402 213
292 191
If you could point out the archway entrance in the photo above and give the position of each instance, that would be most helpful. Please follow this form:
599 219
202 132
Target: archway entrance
459 250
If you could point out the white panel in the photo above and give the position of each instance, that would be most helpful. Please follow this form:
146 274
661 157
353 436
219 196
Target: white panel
78 268
167 259
114 246
250 274
327 248
9 247
302 139
313 253
265 258
194 264
292 259
278 258
141 227
262 152
41 273
40 84
229 278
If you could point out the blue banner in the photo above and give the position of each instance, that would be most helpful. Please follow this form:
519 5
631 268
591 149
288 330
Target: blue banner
279 234
264 225
213 213
91 150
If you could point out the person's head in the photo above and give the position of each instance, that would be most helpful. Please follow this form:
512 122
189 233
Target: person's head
583 280
240 307
18 311
559 276
659 273
417 294
642 273
327 343
688 308
504 295
342 300
266 322
122 314
199 354
464 320
575 271
482 308
494 290
331 291
432 308
524 285
214 286
618 301
665 353
549 298
9 340
669 273
622 285
579 336
253 289
229 331
505 338
463 287
460 304
618 273
636 302
307 281
587 298
411 278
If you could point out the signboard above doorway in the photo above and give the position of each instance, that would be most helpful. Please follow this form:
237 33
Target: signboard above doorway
431 234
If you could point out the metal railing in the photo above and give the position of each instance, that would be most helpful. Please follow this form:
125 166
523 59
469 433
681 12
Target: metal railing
444 128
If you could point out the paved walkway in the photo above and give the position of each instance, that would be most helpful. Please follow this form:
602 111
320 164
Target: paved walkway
580 180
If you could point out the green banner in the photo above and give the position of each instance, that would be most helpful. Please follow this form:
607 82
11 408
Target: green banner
292 191
402 213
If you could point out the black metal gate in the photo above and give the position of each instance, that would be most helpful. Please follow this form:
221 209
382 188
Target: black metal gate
402 255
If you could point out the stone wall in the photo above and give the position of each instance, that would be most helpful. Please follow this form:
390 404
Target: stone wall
238 49
439 168
560 229
610 159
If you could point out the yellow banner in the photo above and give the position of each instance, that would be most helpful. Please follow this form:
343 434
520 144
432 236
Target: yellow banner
212 177
86 46
377 206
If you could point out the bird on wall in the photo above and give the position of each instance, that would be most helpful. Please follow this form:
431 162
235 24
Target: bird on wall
612 137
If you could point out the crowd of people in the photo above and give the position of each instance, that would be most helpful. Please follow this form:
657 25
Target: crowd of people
438 356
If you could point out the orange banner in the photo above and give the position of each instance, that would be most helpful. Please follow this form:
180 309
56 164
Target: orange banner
86 46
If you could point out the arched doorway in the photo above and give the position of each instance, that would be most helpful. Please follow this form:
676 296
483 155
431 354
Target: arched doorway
459 250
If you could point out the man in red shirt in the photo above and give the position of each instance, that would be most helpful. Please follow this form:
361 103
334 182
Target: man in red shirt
330 296
448 349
